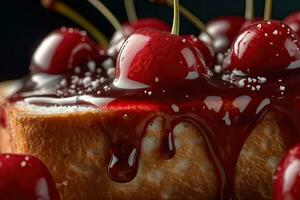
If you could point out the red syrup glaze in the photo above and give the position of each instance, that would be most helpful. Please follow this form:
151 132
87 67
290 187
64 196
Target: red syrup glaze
224 109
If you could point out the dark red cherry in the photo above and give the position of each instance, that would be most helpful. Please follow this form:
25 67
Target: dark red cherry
286 184
224 30
154 58
264 48
129 28
293 20
248 23
205 48
26 178
65 49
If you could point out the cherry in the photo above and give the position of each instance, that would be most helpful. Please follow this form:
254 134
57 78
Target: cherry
25 177
293 20
63 50
223 30
205 48
123 31
153 58
287 176
248 23
63 9
129 28
264 48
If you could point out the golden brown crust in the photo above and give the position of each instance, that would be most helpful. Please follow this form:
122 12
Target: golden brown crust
74 148
258 160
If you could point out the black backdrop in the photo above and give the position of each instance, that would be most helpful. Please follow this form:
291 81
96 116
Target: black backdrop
24 23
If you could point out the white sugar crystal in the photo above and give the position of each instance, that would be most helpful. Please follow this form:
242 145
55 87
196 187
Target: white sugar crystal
75 79
95 84
77 70
282 88
156 79
106 88
275 32
63 82
241 82
175 108
23 164
261 80
125 116
91 65
218 68
258 25
149 93
86 81
111 72
102 80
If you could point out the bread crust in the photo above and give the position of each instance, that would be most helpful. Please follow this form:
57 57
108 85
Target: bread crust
75 149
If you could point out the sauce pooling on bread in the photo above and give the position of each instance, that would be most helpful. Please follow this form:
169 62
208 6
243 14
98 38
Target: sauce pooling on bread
224 106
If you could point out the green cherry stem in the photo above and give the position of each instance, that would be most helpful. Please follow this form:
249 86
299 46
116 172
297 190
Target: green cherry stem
176 18
188 15
249 11
107 14
268 10
130 10
63 9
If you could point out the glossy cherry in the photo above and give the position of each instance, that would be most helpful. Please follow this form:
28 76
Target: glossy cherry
286 183
26 178
205 48
248 23
65 49
154 58
264 48
223 30
293 20
129 28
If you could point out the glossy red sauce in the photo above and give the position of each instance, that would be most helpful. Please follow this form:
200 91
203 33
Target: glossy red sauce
223 108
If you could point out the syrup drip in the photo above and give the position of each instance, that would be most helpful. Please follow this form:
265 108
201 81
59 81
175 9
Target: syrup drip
225 115
224 110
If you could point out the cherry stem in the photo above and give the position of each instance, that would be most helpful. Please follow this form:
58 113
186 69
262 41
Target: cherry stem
268 10
249 11
130 10
65 10
107 14
191 17
176 18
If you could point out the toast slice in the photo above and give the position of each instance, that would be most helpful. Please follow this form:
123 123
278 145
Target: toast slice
70 141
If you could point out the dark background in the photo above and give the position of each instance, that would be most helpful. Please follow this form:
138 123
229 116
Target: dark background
24 23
